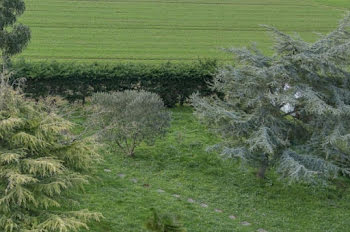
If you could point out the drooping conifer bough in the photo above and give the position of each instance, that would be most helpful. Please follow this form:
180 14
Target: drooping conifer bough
290 110
40 162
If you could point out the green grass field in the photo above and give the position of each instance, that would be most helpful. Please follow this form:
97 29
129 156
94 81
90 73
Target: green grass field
178 164
185 30
162 30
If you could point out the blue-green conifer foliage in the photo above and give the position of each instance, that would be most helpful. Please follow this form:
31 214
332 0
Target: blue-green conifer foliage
290 110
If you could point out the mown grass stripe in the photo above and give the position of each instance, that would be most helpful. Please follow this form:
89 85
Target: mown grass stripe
156 30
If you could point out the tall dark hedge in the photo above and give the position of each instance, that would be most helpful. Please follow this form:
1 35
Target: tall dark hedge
174 82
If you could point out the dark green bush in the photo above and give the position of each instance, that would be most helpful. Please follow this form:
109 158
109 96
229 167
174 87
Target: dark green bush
173 82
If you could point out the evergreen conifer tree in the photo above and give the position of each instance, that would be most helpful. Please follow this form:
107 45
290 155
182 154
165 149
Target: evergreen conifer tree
14 37
40 161
290 110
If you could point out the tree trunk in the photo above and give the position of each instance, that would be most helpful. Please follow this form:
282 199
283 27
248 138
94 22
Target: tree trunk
261 171
4 63
263 167
132 154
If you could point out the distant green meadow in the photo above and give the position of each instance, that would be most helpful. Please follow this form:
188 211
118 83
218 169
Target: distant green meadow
167 30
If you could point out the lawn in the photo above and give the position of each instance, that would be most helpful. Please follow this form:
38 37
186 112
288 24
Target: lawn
124 189
176 175
162 30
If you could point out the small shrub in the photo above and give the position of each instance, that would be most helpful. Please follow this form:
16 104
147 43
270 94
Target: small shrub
128 118
164 223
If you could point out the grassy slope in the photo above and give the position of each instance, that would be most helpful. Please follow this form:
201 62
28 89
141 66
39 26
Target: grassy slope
179 165
159 30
